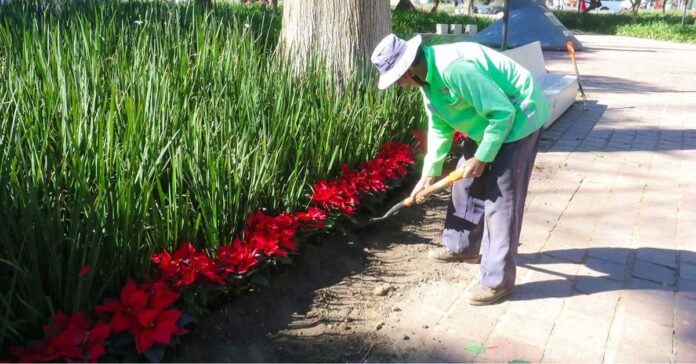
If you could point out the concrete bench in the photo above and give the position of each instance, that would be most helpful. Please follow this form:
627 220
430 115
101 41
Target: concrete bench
560 89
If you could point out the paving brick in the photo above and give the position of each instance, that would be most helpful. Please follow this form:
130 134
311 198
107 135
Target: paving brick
657 312
602 268
524 328
573 255
599 305
528 302
687 288
547 286
651 291
477 327
685 352
616 255
667 258
630 352
685 326
504 350
555 265
596 284
653 272
647 333
687 271
585 329
568 350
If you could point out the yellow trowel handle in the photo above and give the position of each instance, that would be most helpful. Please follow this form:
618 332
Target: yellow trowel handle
455 176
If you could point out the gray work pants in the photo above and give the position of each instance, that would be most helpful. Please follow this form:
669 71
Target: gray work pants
485 213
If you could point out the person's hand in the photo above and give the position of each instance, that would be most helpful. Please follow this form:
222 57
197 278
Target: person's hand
473 168
423 183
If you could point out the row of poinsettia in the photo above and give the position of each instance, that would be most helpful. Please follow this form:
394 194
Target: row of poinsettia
149 314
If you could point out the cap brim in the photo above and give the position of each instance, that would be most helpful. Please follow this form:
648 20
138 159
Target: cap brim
401 65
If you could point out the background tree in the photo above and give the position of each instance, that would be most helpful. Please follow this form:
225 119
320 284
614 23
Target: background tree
405 5
341 33
469 7
434 9
635 6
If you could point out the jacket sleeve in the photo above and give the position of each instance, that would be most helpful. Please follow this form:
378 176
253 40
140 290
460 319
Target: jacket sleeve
439 142
466 80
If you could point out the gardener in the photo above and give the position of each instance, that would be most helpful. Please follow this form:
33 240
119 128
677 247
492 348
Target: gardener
494 101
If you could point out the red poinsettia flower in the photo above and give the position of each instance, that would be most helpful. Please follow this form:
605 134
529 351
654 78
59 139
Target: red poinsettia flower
313 218
85 270
186 266
397 152
133 300
271 235
459 137
94 345
67 338
158 326
237 258
338 194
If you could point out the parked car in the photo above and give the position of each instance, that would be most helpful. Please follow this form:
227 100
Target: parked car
488 9
614 6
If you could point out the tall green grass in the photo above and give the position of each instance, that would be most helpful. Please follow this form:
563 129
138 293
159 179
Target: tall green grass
126 128
647 24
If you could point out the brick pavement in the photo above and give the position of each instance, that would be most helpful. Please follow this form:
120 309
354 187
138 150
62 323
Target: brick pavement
608 256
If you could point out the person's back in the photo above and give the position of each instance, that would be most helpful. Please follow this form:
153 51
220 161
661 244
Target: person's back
460 68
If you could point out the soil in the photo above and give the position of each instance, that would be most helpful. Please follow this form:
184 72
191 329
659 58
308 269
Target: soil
352 297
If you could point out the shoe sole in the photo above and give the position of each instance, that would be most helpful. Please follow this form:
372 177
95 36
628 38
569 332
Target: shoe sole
470 260
494 299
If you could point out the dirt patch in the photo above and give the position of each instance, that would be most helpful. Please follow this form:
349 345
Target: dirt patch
363 295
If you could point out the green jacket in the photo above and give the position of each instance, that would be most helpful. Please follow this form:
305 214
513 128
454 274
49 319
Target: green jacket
481 93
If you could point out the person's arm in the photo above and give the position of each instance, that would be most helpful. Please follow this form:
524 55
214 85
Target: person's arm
440 136
469 82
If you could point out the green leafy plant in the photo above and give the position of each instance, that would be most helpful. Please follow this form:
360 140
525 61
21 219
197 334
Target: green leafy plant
127 128
653 25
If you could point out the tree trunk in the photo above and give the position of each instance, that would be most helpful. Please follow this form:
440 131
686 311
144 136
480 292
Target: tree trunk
274 4
469 7
434 9
341 33
405 5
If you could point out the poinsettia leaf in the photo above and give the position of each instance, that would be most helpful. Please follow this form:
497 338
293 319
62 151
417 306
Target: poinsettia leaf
185 319
518 361
155 354
260 280
476 348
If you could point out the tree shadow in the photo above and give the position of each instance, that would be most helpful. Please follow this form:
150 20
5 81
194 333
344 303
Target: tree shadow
597 270
576 131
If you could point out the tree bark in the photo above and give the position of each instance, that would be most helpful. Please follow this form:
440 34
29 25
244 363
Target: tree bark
342 34
469 7
434 9
405 5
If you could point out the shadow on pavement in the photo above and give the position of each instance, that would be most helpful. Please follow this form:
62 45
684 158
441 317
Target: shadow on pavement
608 269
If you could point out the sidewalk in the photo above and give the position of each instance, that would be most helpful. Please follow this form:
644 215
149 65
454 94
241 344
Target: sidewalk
607 268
